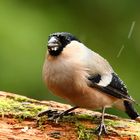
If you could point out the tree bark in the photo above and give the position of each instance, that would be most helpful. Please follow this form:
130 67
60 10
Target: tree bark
19 121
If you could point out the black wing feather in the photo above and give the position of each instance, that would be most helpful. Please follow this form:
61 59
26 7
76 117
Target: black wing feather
116 88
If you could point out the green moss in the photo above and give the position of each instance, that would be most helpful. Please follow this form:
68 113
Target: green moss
121 127
75 118
41 121
21 98
113 123
24 99
85 117
19 108
85 133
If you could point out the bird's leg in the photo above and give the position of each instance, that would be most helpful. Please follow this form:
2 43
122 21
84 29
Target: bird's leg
64 113
102 129
55 115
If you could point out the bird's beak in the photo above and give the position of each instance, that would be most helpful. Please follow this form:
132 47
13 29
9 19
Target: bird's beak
53 44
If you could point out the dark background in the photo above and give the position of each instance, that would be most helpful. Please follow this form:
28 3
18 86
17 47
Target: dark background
102 25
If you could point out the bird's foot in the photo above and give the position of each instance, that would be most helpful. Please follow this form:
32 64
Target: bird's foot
101 129
54 115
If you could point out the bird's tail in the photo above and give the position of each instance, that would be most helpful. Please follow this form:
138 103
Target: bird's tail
131 111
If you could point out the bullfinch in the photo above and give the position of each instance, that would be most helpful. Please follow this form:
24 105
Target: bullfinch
81 76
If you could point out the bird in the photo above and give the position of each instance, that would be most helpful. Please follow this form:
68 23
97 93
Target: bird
84 78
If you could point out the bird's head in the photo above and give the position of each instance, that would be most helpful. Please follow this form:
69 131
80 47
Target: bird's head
58 41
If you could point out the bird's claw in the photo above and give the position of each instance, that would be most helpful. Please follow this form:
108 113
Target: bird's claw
101 129
54 115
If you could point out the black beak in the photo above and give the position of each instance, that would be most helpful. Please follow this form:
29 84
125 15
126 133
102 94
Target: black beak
53 44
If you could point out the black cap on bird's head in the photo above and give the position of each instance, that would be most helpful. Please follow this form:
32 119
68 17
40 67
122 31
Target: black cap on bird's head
57 41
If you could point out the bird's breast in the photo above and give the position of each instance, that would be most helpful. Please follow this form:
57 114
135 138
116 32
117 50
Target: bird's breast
62 77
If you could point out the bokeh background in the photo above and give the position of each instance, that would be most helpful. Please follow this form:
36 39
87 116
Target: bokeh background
102 25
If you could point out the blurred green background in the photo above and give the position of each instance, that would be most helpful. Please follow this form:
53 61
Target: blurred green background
102 25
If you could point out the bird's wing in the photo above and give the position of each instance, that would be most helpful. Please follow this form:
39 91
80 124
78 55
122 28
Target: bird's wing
102 77
115 88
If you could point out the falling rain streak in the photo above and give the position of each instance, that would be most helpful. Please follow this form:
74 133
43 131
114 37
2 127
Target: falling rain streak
129 36
120 51
131 29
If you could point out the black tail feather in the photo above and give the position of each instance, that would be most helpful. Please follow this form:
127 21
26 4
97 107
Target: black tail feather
130 110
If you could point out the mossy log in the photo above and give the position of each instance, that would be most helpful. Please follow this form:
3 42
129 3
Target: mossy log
19 121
